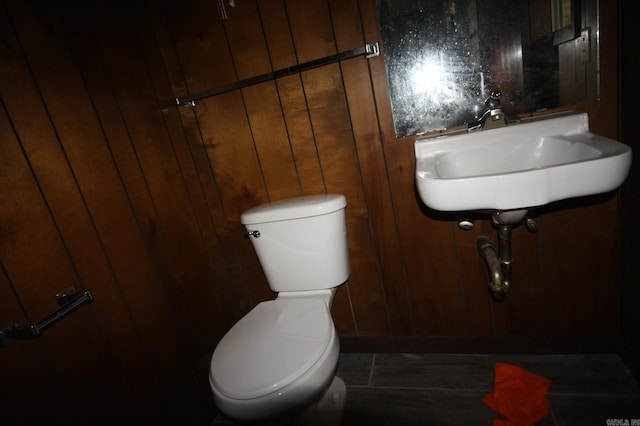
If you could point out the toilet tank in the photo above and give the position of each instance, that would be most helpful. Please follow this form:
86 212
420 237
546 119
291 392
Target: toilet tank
302 242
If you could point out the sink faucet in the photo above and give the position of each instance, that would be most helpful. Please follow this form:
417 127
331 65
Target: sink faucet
493 115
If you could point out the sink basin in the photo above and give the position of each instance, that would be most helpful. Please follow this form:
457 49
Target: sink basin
520 166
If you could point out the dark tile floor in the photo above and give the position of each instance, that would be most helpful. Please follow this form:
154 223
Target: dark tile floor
447 389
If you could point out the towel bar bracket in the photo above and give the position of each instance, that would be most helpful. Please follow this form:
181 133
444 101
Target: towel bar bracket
67 301
372 50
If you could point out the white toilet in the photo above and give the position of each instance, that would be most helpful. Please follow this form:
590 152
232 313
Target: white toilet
281 357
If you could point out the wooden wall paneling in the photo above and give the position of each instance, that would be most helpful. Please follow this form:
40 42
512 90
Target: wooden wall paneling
80 134
378 73
400 161
57 245
262 104
277 33
272 143
204 58
227 137
204 285
27 376
38 264
300 133
523 311
247 44
349 35
146 299
427 242
236 165
291 96
261 127
439 305
220 246
395 150
579 244
473 278
324 89
228 140
172 337
149 305
579 268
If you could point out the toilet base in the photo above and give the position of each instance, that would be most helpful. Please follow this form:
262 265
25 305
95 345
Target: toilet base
329 409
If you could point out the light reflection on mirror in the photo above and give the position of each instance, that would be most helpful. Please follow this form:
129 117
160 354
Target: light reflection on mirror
443 58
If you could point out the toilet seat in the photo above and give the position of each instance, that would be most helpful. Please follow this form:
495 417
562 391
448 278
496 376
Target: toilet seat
277 342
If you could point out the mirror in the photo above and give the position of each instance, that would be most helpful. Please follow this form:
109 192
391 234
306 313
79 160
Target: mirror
444 58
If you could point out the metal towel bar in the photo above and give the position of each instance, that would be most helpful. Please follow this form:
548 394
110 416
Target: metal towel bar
369 50
67 303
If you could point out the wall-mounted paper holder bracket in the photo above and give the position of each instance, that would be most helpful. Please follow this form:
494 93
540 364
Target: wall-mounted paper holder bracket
68 302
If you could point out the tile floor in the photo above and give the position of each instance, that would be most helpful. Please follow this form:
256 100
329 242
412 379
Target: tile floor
447 389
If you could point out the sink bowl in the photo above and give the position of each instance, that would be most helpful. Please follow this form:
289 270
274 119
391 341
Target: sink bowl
519 166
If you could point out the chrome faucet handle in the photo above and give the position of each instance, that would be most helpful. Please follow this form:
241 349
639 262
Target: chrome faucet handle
493 101
492 112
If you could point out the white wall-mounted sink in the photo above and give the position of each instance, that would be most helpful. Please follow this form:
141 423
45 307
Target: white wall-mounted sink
519 166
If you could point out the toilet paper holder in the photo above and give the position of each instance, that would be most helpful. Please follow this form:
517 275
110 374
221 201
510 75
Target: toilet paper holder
68 301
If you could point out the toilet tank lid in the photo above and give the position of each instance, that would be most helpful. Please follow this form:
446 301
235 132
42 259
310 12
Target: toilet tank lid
294 208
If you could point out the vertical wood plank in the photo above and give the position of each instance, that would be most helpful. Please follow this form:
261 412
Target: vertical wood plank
262 104
359 92
171 224
291 96
473 278
29 385
223 123
205 284
324 89
220 247
427 243
580 299
54 217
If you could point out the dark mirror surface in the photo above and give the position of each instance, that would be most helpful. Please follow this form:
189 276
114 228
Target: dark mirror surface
444 58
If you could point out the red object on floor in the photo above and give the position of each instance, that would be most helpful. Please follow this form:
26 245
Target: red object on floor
518 395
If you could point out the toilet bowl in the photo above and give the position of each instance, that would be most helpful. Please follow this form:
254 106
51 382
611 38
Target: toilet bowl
281 357
277 358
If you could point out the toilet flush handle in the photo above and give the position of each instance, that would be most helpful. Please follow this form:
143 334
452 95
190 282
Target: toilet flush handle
255 234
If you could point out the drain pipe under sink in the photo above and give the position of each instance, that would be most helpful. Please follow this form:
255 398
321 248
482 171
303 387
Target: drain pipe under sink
499 263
